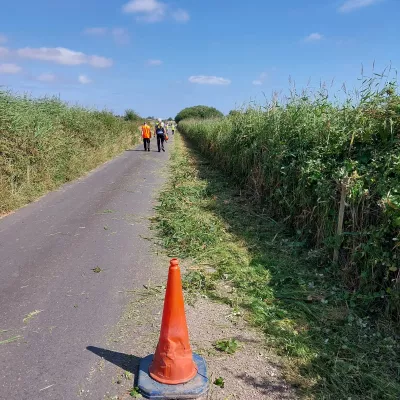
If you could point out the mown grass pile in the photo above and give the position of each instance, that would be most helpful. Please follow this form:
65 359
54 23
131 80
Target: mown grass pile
45 143
305 157
330 349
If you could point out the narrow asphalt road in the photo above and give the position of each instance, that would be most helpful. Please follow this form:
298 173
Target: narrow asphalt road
52 302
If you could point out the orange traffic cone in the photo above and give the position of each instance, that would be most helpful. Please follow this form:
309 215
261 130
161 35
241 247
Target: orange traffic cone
173 360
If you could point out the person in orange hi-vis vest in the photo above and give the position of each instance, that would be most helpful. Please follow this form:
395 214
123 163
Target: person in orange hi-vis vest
146 135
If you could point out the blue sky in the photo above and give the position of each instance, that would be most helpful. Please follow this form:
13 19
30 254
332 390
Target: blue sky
159 56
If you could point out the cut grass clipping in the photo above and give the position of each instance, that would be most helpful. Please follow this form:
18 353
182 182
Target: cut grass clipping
331 349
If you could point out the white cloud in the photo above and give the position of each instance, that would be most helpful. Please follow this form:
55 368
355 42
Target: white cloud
3 51
260 81
181 15
209 80
10 69
99 62
3 38
351 5
149 10
95 31
154 11
120 35
46 78
60 55
314 37
84 80
154 63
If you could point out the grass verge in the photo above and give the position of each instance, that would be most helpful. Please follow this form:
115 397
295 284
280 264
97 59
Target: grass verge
45 143
331 350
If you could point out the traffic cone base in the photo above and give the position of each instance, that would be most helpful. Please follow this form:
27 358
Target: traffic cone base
153 390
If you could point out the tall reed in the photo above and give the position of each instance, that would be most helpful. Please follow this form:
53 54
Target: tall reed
331 171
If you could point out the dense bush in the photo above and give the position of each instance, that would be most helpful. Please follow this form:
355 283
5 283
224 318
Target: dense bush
44 143
198 112
131 115
302 157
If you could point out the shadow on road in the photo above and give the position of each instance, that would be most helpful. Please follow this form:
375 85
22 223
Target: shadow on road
126 361
135 150
141 150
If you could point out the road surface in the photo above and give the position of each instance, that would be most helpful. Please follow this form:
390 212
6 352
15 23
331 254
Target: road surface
65 262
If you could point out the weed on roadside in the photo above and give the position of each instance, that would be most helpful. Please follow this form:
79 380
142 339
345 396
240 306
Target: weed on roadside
135 393
331 349
227 345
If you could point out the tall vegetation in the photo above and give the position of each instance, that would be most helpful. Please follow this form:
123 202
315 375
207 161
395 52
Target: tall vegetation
198 112
331 172
45 143
131 115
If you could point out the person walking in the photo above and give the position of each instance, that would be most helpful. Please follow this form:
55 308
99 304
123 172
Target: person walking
146 135
173 128
159 132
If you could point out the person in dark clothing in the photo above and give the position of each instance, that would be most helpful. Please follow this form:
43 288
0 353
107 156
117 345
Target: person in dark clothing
159 132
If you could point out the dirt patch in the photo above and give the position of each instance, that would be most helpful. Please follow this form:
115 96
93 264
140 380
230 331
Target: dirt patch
252 372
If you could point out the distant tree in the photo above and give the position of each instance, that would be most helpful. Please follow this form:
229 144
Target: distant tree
170 119
198 112
131 115
234 113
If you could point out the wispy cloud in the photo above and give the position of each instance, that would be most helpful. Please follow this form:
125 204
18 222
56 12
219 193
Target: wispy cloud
3 39
120 35
95 31
61 55
314 37
84 80
260 81
47 78
148 10
154 11
154 63
209 80
4 51
351 5
10 69
181 15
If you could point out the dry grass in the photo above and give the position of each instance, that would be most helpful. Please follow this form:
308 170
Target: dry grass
45 143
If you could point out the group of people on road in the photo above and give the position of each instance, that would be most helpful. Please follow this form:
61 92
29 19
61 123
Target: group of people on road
160 132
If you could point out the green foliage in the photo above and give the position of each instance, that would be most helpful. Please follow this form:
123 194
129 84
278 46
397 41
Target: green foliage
198 112
297 157
135 393
131 115
219 382
227 346
331 346
45 143
234 113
